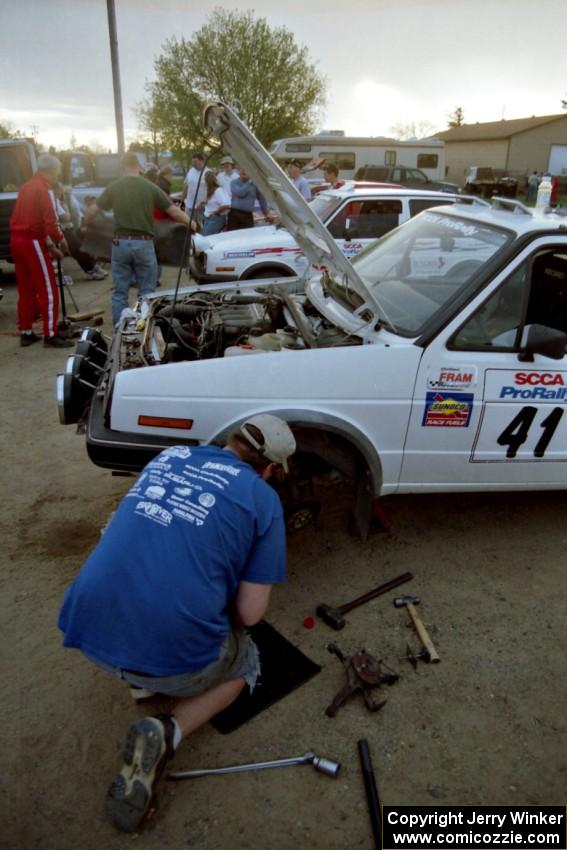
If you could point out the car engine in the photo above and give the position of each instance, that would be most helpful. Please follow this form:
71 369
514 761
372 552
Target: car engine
204 325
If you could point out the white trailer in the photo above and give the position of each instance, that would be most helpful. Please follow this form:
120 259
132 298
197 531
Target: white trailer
352 152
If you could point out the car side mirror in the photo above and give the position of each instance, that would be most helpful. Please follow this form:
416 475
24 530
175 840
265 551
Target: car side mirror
546 341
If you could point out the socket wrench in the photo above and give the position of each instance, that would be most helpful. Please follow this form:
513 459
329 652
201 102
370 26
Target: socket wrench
323 765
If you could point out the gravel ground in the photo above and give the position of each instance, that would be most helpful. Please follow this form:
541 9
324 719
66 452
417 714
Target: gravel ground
485 726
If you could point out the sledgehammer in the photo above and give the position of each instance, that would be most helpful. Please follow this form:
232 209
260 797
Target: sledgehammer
334 617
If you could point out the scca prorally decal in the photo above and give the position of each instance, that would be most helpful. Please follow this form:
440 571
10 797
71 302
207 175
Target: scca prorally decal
534 378
447 410
234 255
541 393
449 378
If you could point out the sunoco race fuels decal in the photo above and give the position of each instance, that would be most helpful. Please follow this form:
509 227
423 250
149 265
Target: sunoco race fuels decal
447 410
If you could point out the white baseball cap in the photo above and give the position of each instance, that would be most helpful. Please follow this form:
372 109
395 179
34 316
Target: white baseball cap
279 442
227 160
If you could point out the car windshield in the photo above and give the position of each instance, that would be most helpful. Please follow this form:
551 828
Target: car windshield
324 205
15 167
415 271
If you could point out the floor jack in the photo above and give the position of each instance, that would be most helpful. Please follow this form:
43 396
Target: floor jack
71 325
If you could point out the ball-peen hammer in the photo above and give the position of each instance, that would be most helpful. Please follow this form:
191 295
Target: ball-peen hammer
410 602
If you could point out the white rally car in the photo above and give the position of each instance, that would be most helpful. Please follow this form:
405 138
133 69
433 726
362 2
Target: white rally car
356 214
435 361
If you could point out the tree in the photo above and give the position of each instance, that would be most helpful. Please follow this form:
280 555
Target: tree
412 130
148 121
258 70
456 118
8 131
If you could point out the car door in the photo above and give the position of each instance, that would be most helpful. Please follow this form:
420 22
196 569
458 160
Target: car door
482 416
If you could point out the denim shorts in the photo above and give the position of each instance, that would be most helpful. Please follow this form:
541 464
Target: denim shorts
238 657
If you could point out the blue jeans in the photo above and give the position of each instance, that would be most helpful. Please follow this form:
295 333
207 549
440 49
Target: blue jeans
132 259
213 224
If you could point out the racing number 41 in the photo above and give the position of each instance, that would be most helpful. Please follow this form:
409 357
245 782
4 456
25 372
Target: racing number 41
515 434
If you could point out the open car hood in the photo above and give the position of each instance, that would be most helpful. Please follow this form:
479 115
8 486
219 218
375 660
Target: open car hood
306 228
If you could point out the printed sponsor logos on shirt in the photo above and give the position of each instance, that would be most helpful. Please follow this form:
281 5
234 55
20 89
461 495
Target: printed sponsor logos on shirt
154 491
452 379
154 512
207 500
447 410
222 467
178 451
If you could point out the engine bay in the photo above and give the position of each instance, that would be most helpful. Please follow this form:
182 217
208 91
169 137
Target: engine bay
204 325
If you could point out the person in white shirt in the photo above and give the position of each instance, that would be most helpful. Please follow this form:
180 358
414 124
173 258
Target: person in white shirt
227 175
298 180
215 206
194 190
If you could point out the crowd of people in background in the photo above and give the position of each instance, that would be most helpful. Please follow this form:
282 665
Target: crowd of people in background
48 215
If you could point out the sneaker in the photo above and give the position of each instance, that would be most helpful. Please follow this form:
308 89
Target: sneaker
57 341
101 270
95 274
149 745
138 694
28 338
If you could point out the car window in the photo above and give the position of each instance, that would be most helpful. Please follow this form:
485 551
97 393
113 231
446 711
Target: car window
366 219
398 175
15 167
417 205
542 282
324 205
415 176
431 262
499 318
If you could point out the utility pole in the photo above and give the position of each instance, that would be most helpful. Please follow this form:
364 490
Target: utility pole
115 75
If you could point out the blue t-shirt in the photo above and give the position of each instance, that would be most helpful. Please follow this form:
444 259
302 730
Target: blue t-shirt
154 595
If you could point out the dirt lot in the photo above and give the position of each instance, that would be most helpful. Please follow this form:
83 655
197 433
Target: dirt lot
485 726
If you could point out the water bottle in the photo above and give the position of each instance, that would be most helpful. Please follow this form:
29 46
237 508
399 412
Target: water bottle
544 193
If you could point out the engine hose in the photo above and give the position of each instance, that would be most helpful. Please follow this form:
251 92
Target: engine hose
299 320
174 310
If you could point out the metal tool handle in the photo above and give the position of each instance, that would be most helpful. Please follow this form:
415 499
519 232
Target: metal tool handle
308 758
378 591
372 798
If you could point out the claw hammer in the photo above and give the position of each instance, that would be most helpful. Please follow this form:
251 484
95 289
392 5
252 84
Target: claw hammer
410 602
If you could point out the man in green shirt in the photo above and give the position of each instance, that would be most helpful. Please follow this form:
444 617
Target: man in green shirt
133 200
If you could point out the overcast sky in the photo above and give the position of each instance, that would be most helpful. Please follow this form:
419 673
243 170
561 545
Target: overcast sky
386 61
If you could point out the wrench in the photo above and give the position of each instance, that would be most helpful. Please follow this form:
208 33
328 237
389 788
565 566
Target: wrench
324 765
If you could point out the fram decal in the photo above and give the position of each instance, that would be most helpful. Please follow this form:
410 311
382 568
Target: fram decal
447 378
447 410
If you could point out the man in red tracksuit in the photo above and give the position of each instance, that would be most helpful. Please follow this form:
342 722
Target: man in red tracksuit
36 238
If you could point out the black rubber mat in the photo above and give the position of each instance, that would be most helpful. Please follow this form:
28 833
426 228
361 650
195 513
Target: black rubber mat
284 668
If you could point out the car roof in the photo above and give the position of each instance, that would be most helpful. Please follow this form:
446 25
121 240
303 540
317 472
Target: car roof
508 213
386 190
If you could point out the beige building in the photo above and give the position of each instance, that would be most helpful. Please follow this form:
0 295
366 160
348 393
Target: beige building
519 146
